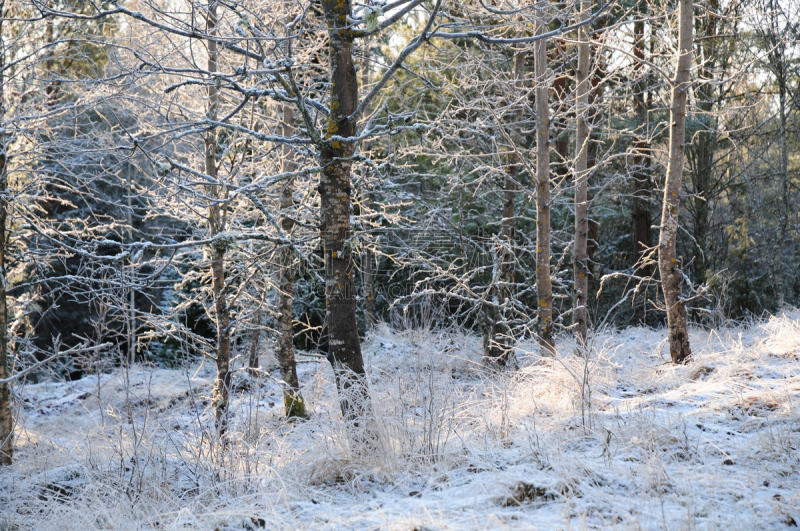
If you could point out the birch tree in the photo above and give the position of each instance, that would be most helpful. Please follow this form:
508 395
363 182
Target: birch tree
669 263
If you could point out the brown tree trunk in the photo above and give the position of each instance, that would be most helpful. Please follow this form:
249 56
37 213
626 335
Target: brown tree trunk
669 264
545 290
344 346
223 355
292 399
216 223
6 419
581 265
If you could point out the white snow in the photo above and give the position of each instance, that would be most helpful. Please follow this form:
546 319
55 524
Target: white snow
636 444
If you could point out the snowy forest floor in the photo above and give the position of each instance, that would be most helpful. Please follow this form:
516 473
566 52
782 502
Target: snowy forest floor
636 444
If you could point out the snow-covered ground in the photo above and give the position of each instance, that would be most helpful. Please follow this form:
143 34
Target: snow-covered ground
627 442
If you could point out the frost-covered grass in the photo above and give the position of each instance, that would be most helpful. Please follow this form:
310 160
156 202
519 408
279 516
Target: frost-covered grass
638 444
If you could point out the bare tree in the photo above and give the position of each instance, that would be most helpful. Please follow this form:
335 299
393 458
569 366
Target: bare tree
581 266
543 197
292 398
669 264
6 420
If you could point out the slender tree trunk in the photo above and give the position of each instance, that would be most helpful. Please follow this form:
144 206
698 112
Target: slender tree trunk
216 223
292 398
6 420
642 184
344 346
668 263
543 196
223 383
581 265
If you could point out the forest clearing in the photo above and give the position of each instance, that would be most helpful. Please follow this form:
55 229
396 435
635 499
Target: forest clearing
399 264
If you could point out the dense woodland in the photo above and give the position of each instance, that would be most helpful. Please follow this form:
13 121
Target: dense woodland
218 179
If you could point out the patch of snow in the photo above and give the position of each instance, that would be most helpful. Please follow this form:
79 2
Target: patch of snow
622 440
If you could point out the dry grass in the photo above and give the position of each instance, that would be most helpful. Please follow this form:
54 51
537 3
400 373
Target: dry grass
620 440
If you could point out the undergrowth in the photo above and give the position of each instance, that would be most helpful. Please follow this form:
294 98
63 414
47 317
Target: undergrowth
617 437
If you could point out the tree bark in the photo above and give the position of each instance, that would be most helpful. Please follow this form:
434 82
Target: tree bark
344 345
668 263
581 263
292 398
216 223
6 419
545 290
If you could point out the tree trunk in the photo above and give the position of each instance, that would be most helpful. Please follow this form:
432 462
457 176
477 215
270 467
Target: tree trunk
581 265
668 263
223 355
292 399
344 346
216 223
6 420
545 291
